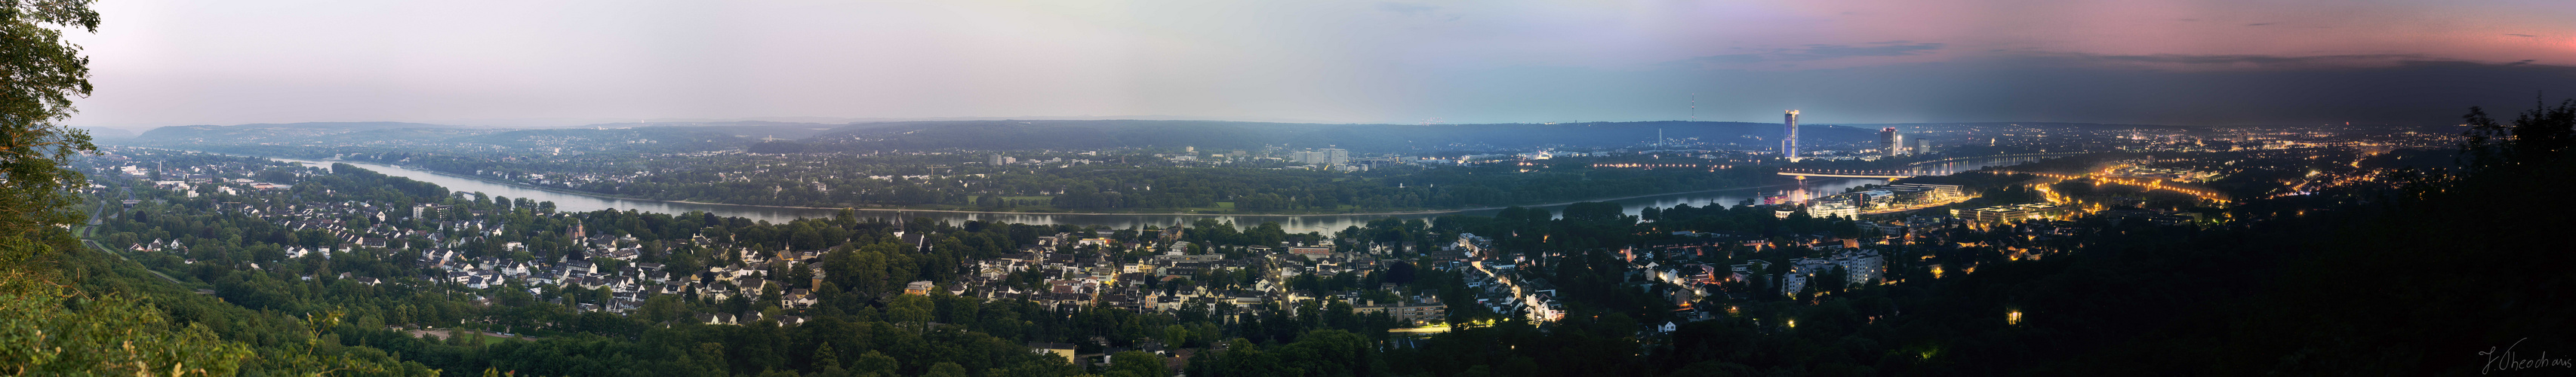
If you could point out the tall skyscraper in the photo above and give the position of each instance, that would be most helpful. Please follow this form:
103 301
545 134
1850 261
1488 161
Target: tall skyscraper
1789 139
1890 143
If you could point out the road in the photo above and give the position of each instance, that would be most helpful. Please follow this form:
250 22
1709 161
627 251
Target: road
93 224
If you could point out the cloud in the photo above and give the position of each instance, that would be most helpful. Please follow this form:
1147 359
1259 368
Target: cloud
2258 24
2522 35
1409 9
1339 61
2239 60
2009 87
2522 62
1812 52
1821 52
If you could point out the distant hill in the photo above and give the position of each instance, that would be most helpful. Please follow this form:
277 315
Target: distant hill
2066 125
646 139
102 133
784 137
1221 135
2119 126
747 129
291 132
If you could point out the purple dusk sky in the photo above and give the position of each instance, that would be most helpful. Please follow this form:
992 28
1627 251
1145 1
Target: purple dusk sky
527 63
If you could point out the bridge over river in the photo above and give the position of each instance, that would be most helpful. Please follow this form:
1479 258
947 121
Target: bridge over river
1927 168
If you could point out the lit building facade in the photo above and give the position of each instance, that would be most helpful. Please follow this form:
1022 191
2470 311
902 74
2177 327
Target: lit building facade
2014 212
1789 137
1890 143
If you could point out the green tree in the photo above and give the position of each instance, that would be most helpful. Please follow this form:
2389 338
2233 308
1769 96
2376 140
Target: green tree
45 72
47 328
108 335
2536 135
1136 364
875 364
312 360
827 361
945 369
912 310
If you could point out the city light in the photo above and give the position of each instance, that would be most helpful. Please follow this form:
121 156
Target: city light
947 170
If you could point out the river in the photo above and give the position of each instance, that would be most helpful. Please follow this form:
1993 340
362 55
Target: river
573 201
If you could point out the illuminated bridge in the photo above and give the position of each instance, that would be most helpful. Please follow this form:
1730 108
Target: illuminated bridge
2001 158
1842 173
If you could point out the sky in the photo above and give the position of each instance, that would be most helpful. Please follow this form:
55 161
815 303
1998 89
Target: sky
559 63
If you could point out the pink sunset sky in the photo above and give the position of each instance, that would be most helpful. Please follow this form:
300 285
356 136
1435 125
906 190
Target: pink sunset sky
507 63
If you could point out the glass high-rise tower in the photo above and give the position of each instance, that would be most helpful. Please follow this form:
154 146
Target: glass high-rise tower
1890 143
1789 138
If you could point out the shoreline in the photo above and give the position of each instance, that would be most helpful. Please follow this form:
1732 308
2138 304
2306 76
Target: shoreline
1406 213
863 209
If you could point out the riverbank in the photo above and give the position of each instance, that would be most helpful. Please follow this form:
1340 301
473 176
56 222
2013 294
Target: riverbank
575 202
938 210
958 211
1401 213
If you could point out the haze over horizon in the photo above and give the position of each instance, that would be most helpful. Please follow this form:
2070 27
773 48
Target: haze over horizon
167 63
